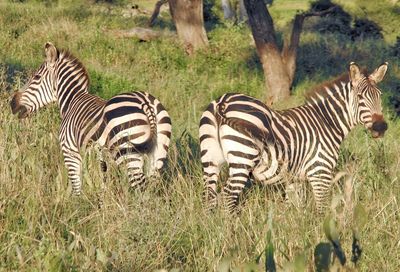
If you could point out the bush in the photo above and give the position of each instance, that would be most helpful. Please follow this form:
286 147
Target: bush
366 29
337 21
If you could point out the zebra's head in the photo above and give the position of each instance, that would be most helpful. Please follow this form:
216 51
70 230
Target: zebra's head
367 100
40 89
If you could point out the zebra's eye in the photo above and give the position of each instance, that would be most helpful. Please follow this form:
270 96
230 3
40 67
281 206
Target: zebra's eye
36 77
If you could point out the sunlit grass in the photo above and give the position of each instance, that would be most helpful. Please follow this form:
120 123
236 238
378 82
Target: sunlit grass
43 228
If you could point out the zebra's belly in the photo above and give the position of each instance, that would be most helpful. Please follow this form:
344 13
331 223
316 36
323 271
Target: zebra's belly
273 168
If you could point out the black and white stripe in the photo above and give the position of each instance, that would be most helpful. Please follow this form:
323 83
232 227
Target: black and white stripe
129 125
302 142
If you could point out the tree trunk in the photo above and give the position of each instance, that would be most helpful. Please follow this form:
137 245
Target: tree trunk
189 23
276 75
227 9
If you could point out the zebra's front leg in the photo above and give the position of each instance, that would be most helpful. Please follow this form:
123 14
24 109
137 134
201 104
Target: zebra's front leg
321 186
73 163
239 175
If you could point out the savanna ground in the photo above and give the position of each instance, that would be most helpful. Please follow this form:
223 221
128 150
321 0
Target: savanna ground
43 228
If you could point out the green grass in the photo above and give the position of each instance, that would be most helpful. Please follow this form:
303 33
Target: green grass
43 228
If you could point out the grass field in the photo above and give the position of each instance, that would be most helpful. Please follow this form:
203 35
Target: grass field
43 228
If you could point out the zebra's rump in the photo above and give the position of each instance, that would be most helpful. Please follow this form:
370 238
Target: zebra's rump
246 115
128 122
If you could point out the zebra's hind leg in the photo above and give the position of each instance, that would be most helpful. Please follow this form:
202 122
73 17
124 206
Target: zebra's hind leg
133 162
239 175
321 186
158 157
211 172
211 158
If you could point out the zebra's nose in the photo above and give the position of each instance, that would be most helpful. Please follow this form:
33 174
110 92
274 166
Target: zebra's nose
378 128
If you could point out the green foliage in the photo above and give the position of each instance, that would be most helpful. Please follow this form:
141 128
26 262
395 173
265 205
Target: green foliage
42 228
105 86
338 21
269 254
364 29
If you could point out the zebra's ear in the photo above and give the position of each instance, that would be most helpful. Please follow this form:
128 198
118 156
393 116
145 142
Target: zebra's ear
51 53
379 73
355 73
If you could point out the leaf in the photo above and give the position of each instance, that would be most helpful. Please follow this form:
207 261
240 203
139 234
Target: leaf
337 249
330 228
269 254
333 236
322 256
300 263
355 250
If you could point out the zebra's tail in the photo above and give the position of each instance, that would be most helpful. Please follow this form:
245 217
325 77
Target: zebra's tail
243 126
151 141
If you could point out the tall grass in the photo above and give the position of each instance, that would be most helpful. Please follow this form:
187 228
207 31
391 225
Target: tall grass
43 228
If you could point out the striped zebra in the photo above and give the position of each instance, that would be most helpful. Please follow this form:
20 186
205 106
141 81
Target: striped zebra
129 125
303 142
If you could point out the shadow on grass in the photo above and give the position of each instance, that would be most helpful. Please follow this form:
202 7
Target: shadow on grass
334 42
10 73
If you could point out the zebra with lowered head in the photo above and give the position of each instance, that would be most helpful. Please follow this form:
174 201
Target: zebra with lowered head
129 125
303 142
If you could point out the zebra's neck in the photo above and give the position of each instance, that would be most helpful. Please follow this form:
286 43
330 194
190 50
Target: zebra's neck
334 106
71 82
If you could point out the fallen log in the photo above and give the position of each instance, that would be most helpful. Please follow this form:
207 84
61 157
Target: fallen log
141 33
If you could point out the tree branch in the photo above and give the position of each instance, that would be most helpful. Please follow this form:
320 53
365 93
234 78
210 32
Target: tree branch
156 12
298 25
289 50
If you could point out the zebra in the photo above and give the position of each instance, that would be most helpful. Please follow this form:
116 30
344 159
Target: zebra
129 125
266 145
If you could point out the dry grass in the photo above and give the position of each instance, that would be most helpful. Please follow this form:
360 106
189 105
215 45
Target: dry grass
43 228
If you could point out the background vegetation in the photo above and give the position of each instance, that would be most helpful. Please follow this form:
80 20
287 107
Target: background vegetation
42 228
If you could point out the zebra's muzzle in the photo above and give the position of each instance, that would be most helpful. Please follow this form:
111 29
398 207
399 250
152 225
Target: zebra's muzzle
378 129
16 107
379 126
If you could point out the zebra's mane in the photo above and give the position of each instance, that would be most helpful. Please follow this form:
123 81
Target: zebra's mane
67 56
321 89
